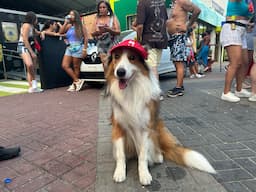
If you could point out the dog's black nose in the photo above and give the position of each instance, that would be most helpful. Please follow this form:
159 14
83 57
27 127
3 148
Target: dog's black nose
121 72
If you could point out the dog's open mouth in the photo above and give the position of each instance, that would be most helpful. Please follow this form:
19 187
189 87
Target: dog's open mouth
124 82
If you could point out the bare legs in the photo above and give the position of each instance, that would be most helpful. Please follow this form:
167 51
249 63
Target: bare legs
30 62
72 72
192 69
30 66
238 59
235 69
180 73
253 78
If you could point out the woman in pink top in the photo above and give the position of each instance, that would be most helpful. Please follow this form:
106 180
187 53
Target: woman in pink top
106 30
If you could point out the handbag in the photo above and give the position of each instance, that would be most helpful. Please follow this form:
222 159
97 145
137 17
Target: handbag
74 47
37 45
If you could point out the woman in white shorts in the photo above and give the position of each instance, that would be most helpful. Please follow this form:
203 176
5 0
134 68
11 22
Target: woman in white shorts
26 50
233 39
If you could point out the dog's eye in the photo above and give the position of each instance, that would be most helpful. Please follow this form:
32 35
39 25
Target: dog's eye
117 56
132 57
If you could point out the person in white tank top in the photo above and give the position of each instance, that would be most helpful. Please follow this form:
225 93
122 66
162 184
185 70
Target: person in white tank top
28 55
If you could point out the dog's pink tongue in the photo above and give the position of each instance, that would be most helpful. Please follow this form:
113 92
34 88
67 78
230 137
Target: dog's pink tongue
122 84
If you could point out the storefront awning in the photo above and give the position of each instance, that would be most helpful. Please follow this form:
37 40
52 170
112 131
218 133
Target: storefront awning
208 15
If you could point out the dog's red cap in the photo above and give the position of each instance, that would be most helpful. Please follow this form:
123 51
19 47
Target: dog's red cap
131 44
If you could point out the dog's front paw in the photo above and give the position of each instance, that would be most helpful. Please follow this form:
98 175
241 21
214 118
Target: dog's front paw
145 177
119 175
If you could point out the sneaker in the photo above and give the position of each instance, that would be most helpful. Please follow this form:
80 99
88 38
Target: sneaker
176 92
199 76
246 85
230 97
226 67
182 89
252 97
243 93
161 98
71 88
79 84
34 83
35 90
9 153
192 76
206 69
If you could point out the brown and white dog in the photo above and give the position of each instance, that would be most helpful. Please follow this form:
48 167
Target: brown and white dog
137 129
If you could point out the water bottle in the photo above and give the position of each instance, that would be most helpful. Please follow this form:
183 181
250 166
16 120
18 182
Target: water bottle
68 17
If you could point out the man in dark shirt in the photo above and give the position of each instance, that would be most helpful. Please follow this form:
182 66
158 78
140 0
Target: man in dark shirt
151 30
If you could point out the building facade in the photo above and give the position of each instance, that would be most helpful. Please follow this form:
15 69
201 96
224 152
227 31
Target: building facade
212 11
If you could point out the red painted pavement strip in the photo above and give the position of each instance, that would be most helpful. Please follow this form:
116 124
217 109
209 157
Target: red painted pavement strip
57 131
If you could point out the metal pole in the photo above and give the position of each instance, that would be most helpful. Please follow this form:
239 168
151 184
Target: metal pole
4 67
5 73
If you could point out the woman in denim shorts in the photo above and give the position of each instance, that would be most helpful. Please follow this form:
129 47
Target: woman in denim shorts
76 50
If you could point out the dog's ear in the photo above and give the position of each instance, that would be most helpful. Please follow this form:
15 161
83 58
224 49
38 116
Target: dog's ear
146 47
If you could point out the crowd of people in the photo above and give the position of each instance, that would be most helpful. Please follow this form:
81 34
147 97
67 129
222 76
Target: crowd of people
156 30
233 38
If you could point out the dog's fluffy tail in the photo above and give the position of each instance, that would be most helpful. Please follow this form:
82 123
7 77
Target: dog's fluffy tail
180 155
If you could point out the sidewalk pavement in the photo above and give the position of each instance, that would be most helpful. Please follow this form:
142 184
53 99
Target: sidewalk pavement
66 141
57 131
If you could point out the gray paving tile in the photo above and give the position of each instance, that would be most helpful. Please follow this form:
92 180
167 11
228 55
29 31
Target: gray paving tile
236 186
247 164
224 165
251 184
240 153
232 175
